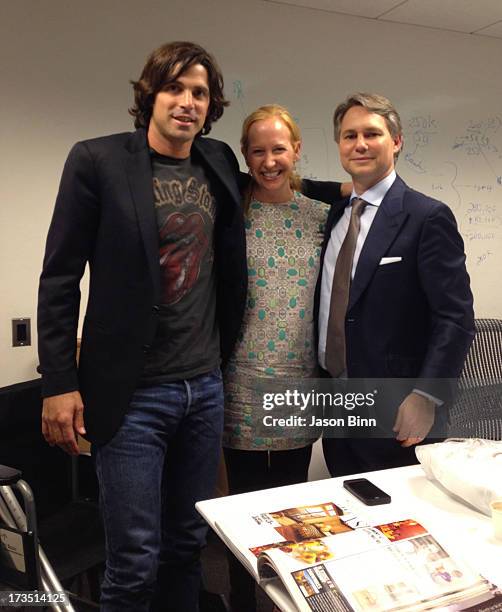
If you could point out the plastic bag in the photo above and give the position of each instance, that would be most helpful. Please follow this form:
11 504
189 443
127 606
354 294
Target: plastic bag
470 468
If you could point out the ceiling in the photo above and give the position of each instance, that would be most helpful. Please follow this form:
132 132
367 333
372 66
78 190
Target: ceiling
475 17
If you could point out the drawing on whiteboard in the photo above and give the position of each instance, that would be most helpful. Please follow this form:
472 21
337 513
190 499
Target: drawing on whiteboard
485 218
422 122
470 236
483 257
423 128
486 188
454 186
478 140
238 91
478 207
468 180
414 163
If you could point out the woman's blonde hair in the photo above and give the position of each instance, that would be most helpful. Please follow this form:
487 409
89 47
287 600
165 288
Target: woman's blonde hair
260 114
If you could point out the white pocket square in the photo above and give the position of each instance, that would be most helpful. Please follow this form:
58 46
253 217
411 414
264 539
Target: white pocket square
388 260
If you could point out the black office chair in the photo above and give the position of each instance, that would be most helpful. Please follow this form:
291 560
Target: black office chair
477 411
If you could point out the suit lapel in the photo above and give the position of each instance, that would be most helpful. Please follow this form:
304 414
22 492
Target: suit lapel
139 175
219 165
384 229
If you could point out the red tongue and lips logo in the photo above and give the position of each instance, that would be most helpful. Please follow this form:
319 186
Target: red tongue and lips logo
183 245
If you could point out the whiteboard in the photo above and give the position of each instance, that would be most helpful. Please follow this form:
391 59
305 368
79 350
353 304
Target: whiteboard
65 72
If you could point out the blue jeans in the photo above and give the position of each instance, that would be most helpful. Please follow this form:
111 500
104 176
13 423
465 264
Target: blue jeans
162 460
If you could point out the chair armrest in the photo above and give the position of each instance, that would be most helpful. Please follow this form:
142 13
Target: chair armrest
9 476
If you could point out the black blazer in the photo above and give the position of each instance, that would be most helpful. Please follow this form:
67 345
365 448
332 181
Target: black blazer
104 215
412 318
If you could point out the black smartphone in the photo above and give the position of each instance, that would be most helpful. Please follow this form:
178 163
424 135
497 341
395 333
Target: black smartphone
367 492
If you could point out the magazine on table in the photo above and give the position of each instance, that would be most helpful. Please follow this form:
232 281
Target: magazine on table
330 558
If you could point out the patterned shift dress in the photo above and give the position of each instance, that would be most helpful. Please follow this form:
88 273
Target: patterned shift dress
277 335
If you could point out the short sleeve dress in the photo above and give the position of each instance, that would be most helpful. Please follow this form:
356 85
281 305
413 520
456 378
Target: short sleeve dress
277 335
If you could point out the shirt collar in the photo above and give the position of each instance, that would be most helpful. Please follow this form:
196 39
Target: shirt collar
374 195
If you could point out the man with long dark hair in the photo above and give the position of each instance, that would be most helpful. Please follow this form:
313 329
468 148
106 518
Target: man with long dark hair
156 215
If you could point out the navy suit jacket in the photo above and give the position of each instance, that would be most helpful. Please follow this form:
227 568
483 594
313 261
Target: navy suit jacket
412 318
105 216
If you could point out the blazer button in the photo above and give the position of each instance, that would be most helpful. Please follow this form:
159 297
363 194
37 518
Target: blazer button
146 348
156 308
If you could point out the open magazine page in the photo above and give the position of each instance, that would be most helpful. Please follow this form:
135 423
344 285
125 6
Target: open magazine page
302 565
395 566
249 536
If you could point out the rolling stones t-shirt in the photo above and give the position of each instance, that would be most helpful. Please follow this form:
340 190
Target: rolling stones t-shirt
187 339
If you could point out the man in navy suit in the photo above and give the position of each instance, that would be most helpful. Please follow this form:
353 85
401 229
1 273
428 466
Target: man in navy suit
156 214
410 310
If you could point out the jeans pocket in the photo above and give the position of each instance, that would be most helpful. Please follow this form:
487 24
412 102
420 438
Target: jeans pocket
216 373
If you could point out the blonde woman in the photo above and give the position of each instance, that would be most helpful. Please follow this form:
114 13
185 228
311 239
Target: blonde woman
284 231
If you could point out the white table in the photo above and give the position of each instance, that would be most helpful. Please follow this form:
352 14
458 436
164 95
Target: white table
465 532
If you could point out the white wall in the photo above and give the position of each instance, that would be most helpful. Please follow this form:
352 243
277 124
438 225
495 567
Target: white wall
64 76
